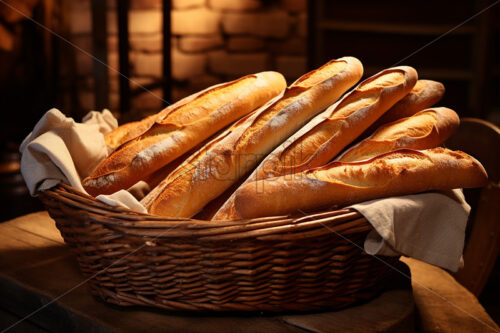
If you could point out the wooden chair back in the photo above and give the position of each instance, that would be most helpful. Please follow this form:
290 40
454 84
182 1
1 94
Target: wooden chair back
480 139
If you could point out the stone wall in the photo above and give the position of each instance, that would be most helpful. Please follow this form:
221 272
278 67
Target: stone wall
212 41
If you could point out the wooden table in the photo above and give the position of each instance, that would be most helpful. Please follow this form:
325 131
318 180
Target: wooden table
36 267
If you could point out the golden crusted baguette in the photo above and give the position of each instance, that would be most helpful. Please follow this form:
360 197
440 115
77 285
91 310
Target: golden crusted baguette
132 130
424 94
226 159
331 131
399 172
196 169
425 129
159 175
181 128
156 177
128 131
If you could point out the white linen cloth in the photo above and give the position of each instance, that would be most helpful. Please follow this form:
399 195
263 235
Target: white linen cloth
62 150
428 226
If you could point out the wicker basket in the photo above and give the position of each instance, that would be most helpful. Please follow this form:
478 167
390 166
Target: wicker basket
266 264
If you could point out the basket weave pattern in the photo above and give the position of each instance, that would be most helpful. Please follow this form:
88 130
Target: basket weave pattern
265 264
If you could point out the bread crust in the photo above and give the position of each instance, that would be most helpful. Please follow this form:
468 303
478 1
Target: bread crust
128 131
425 129
328 133
424 94
399 172
178 129
132 130
226 159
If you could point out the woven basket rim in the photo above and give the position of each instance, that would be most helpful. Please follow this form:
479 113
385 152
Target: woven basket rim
264 228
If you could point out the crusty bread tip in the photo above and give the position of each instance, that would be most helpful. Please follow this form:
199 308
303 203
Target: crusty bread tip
128 131
426 129
424 94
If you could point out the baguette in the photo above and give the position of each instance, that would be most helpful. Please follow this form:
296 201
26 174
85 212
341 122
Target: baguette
425 129
327 134
181 128
128 131
195 169
159 175
399 172
424 94
226 159
132 130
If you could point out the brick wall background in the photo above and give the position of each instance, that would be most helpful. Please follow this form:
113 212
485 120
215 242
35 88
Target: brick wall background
212 41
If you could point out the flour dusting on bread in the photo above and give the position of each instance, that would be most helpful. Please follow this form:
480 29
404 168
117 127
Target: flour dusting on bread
161 147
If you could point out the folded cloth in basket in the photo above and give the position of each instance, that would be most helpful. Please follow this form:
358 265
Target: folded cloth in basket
427 226
59 149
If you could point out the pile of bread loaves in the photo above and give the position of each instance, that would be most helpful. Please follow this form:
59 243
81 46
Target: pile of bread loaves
254 147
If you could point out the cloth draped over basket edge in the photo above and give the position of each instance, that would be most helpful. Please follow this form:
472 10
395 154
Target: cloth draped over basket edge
427 226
